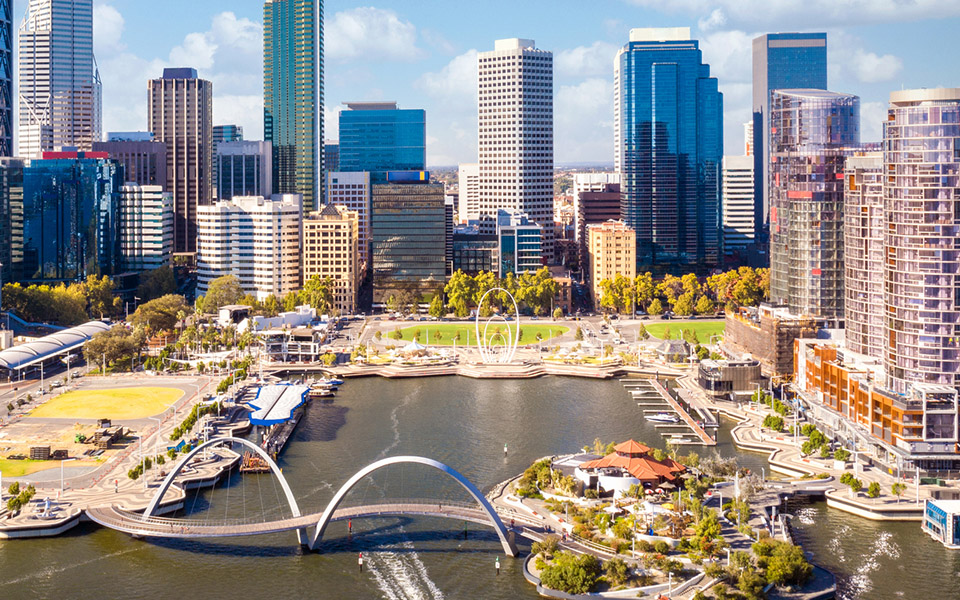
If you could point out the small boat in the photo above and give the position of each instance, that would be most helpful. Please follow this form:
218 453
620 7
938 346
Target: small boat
321 392
662 417
679 439
333 382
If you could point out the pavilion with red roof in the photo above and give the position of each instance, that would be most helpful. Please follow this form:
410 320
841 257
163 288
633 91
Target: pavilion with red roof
628 464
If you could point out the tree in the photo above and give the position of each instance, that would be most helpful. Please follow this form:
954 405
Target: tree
578 335
855 486
112 345
898 490
436 307
684 305
873 490
159 314
318 293
222 291
787 565
271 306
655 307
557 313
841 454
642 332
705 306
396 334
709 526
62 304
616 571
751 584
459 292
100 299
570 573
156 283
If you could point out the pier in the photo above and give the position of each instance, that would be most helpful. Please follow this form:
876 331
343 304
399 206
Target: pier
651 393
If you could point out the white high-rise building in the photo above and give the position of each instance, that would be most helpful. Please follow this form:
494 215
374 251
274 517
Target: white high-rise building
738 206
254 238
145 227
468 200
588 182
748 138
58 81
516 132
352 190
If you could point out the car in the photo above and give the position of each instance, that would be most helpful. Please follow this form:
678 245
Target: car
56 384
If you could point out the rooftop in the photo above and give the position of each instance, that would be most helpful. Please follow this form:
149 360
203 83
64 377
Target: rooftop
49 346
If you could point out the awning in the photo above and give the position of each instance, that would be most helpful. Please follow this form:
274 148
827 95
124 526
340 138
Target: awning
275 403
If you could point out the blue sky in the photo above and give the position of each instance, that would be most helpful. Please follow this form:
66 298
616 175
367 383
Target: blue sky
422 53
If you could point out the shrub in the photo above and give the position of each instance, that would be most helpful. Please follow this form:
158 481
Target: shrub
616 571
571 574
661 547
873 490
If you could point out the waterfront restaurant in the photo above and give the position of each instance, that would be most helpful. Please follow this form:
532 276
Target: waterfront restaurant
629 464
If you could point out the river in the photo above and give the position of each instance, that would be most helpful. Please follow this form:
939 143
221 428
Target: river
461 422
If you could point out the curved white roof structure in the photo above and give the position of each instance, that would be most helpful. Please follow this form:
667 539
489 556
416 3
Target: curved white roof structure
61 342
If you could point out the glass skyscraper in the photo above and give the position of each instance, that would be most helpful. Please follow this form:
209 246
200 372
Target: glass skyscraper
780 61
669 132
293 96
378 137
6 78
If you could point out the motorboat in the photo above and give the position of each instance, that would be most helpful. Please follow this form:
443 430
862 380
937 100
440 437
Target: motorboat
662 417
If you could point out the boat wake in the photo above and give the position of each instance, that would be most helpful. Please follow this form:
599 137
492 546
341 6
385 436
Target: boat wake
49 572
402 575
860 582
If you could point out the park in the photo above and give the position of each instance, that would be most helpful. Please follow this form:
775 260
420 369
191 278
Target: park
444 334
116 403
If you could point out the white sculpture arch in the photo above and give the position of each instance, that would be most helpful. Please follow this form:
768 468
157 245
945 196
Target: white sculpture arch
487 354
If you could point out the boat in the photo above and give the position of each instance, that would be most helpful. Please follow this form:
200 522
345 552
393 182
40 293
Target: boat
333 381
321 392
679 439
662 417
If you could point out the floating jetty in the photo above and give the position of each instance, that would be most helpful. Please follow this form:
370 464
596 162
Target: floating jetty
654 398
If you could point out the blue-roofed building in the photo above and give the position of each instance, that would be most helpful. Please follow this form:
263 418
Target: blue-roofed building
378 137
274 404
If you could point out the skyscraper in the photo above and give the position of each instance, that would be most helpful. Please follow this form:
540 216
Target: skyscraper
812 133
6 78
738 221
293 96
59 85
144 162
378 137
243 169
516 132
780 61
330 250
669 140
468 200
180 114
863 230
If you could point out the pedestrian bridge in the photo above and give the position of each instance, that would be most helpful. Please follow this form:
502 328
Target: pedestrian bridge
148 525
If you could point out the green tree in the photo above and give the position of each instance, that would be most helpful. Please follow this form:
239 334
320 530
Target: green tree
114 344
841 454
705 306
460 292
318 293
436 307
709 526
873 490
684 305
644 289
578 335
787 565
642 332
156 283
855 486
159 314
100 299
557 313
898 490
396 334
571 573
655 307
271 306
222 291
616 571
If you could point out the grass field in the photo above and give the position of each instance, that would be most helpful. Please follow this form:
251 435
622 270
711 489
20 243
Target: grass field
468 336
19 468
703 329
116 403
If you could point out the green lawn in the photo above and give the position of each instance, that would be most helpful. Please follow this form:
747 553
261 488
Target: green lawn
19 468
116 403
468 336
703 329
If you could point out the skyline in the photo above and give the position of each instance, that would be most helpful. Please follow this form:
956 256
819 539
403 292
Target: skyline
424 58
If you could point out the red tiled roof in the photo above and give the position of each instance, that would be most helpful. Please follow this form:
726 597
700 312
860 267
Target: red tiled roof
630 458
631 447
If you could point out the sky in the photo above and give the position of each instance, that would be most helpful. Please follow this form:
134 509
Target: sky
422 54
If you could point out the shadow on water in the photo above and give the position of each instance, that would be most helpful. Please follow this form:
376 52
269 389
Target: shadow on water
322 423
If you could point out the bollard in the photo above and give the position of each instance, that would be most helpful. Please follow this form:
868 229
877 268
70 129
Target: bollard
498 566
360 562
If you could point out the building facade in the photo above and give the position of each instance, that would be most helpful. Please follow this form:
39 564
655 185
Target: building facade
145 228
180 113
227 133
243 169
468 193
352 190
331 157
669 136
11 213
144 162
473 252
519 243
863 260
516 132
738 216
58 83
293 96
6 78
611 251
781 61
330 250
594 183
254 238
378 137
812 133
408 239
598 205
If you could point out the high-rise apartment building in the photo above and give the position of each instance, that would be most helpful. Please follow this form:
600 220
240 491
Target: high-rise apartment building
180 114
781 61
255 238
516 132
144 162
330 251
611 251
468 199
352 190
921 261
243 169
6 78
738 221
11 214
58 82
863 231
812 133
145 228
293 96
669 139
379 137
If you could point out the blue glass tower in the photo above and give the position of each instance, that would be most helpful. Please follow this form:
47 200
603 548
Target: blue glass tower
669 130
378 137
780 61
6 78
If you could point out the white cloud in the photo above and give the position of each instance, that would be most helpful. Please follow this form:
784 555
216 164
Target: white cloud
872 116
583 122
368 32
458 79
452 122
716 20
595 60
729 54
871 68
108 26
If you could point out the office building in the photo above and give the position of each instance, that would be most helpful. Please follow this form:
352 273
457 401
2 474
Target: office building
378 137
598 205
352 190
6 78
612 251
144 161
468 200
449 207
593 183
145 228
748 138
408 228
519 243
11 214
331 157
227 133
130 136
474 252
813 131
293 96
180 112
330 251
922 214
254 238
781 61
863 231
243 169
738 221
58 82
66 225
516 132
669 137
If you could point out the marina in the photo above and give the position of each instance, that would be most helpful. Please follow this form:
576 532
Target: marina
660 407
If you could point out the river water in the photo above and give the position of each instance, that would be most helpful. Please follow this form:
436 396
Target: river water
463 423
